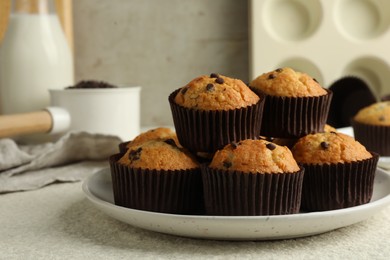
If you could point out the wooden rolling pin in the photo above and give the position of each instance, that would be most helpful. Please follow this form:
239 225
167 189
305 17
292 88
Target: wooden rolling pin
51 120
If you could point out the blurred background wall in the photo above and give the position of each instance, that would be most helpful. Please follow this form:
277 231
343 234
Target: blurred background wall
159 45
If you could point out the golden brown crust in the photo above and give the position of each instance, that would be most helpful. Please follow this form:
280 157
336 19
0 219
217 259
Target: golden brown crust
160 133
216 92
158 155
375 114
255 156
329 147
329 128
289 83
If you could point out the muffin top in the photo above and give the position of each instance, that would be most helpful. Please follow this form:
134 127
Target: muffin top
375 114
329 147
255 156
160 133
158 155
216 92
329 128
289 83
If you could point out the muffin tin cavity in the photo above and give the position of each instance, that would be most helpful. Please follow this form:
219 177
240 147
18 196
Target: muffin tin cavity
291 20
327 39
362 19
374 71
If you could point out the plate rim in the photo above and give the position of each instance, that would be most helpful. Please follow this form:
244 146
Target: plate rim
372 207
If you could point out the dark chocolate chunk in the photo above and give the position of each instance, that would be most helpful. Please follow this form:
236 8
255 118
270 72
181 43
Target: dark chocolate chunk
324 145
210 87
271 76
184 90
227 164
234 145
213 75
219 80
135 154
170 141
271 146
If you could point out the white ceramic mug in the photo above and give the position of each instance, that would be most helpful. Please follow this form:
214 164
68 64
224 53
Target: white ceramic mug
113 111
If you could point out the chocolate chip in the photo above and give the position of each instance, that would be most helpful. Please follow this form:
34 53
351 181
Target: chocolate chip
227 164
269 139
170 141
184 90
135 154
210 87
219 80
271 76
315 80
279 70
324 145
234 145
213 75
271 146
333 132
381 118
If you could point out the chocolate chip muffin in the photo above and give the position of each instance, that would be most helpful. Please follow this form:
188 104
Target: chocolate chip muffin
286 82
160 133
375 114
212 111
157 175
254 156
252 177
295 105
329 148
339 171
215 92
290 142
371 126
158 155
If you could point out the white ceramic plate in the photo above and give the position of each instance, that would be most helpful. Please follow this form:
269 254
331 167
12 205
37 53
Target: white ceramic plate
98 189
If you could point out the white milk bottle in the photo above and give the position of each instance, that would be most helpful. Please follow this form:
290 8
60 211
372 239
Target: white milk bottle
34 57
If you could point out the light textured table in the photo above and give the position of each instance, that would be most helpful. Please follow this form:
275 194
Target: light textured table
58 222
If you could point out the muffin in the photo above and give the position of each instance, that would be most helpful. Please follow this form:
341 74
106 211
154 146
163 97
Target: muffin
252 177
295 104
157 175
329 128
159 133
371 127
290 142
339 171
212 111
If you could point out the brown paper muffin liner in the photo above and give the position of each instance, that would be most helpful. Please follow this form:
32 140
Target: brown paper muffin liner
374 137
165 191
338 186
208 131
123 147
289 117
251 194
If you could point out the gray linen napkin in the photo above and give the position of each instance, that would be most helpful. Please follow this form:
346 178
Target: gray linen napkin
73 157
